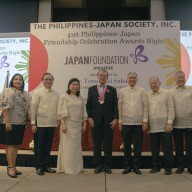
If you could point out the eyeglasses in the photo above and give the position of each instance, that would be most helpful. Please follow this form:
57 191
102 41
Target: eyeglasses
101 75
47 79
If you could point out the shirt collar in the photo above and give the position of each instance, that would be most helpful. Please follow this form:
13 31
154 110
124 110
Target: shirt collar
183 87
132 88
158 92
48 90
104 85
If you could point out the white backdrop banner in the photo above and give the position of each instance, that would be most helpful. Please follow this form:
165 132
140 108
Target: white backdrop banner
80 49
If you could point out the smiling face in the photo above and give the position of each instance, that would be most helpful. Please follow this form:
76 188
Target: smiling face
102 77
154 83
180 79
48 81
74 87
17 82
132 79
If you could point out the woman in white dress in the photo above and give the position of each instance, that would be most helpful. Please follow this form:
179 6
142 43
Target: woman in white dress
72 115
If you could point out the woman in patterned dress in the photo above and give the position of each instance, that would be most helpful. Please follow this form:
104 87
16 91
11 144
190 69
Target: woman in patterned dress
15 115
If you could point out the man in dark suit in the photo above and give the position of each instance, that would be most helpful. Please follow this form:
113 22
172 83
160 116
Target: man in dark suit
102 116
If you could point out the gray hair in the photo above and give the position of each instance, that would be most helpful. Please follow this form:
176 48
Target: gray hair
154 78
178 73
130 73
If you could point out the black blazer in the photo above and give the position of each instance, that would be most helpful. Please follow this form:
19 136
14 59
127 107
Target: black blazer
108 111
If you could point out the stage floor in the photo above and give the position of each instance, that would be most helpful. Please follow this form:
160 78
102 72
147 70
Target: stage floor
25 158
87 181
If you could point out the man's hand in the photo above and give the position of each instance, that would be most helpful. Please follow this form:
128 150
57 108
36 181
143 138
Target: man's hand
34 128
91 122
120 126
168 128
58 122
144 126
113 123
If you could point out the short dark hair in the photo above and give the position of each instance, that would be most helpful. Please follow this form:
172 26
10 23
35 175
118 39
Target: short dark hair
47 73
104 71
11 82
71 81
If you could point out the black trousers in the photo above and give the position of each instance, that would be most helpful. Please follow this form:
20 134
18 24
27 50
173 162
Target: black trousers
165 139
132 134
179 135
102 136
43 139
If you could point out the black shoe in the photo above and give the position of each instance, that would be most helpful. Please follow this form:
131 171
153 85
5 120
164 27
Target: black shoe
137 171
49 170
155 170
168 171
108 171
11 175
17 172
126 171
98 170
179 170
40 172
189 170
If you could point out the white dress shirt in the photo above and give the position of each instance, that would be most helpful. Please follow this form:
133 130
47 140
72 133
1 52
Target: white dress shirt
44 107
182 98
161 110
132 105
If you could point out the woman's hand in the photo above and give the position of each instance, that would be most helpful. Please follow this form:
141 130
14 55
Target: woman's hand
113 123
63 128
83 129
8 126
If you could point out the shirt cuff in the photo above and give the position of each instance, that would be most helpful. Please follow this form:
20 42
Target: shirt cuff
33 122
145 120
170 122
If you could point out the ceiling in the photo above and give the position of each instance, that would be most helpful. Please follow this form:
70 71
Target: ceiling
83 3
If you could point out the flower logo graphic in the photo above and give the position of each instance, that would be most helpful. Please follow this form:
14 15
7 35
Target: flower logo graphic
175 61
24 65
138 56
3 62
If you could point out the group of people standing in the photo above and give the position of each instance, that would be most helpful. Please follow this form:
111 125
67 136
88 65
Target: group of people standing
134 111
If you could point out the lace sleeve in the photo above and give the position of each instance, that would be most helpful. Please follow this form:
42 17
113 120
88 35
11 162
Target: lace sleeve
7 98
62 110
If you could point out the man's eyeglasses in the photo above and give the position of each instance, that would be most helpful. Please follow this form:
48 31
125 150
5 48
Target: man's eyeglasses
101 75
47 79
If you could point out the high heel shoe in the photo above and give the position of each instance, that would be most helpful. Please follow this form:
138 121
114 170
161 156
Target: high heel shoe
11 175
17 172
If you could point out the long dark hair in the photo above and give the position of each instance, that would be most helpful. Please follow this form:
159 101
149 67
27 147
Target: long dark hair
11 82
71 81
